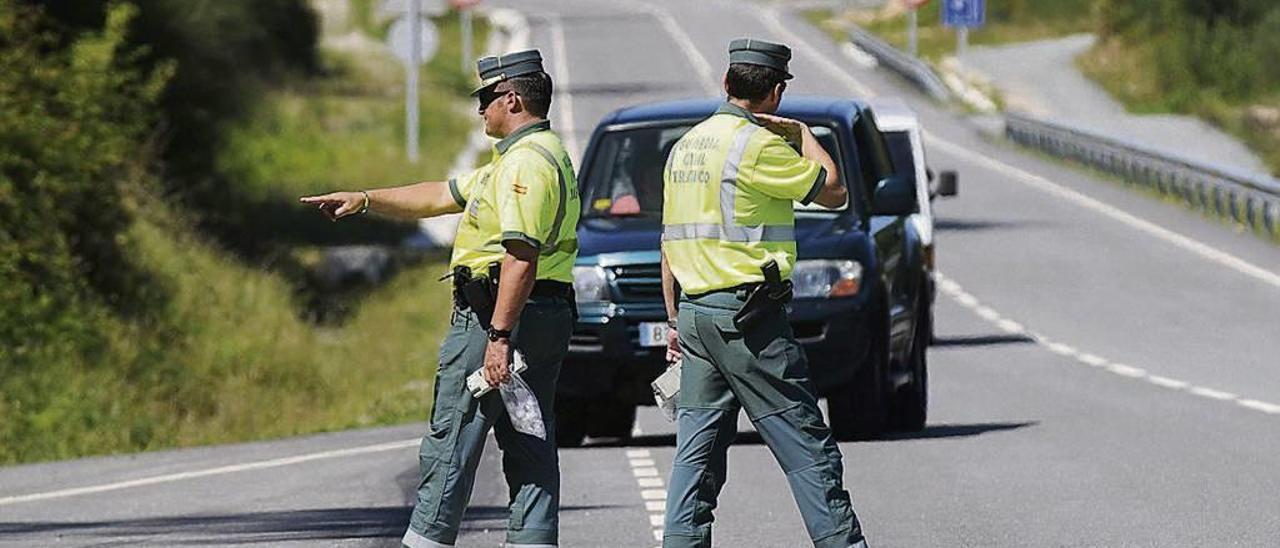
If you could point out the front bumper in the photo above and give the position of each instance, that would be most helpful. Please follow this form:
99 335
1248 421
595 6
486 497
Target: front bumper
606 358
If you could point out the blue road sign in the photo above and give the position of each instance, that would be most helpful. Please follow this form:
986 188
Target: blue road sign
963 13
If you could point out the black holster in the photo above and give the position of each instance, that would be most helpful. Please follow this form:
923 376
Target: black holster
765 299
477 294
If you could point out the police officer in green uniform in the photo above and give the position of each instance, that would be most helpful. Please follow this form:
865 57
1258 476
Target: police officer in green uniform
728 228
518 229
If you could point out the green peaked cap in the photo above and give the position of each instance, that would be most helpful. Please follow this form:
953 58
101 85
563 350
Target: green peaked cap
760 52
496 69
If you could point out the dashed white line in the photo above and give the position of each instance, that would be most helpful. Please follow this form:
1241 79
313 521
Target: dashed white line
952 289
651 485
1010 326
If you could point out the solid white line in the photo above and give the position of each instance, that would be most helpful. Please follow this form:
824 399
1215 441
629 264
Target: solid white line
1211 393
568 130
1062 349
1040 183
987 313
700 65
1166 382
1265 407
244 467
770 18
967 300
1127 370
1010 326
1091 359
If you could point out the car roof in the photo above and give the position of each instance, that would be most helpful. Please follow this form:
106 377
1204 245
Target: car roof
893 114
803 106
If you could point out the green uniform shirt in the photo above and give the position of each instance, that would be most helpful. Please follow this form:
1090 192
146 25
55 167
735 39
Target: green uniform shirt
527 192
728 190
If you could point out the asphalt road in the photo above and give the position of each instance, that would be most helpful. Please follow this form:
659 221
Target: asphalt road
1106 374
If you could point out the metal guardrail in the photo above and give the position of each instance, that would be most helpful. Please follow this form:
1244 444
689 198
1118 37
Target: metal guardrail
1250 199
912 68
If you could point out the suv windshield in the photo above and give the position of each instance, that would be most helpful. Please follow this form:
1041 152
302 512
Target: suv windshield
625 179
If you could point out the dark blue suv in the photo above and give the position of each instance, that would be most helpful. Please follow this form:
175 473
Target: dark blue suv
861 305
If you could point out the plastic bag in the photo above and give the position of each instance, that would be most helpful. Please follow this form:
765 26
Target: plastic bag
522 407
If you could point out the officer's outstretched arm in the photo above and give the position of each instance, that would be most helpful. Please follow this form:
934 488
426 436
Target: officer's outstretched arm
427 199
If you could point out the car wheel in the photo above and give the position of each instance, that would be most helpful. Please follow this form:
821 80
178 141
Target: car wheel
911 403
609 419
571 422
858 410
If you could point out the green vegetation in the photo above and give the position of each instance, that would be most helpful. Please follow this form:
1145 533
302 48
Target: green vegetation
134 316
1007 21
1216 60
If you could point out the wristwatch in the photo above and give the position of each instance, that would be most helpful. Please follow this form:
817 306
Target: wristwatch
495 333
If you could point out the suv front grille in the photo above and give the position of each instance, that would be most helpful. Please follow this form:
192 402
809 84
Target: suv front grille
638 283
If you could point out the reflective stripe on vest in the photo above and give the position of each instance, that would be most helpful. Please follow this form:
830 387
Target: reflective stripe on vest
550 245
728 229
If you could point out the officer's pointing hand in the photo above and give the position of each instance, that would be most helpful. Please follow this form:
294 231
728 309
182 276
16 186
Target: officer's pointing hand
336 205
497 358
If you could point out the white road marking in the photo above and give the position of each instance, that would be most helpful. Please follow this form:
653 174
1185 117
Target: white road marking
641 462
1167 382
1062 349
649 482
1260 406
645 472
654 494
1090 359
230 469
638 453
859 55
967 299
953 289
568 130
1211 393
706 76
1010 326
1127 370
770 18
655 520
655 505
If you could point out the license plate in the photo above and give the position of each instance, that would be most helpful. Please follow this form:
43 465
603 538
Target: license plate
653 334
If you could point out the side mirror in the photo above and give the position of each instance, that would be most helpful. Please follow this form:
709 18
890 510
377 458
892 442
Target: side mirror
894 196
948 184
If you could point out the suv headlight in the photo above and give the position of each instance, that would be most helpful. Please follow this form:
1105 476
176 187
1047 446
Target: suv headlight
590 283
826 278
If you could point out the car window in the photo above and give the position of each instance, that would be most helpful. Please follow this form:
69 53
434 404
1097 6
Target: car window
874 161
624 178
900 150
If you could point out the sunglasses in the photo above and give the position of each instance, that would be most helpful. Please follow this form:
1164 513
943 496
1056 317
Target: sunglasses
488 96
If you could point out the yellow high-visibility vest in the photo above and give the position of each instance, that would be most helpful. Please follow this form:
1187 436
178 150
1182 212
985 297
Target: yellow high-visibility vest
729 187
527 192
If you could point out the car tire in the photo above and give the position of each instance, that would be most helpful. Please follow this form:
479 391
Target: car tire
571 422
609 419
911 402
858 410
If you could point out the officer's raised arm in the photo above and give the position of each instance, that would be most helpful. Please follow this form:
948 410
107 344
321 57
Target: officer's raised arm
832 192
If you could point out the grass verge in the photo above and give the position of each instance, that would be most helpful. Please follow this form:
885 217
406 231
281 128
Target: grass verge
223 355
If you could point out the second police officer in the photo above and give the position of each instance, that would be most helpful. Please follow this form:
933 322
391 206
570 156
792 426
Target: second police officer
728 241
512 272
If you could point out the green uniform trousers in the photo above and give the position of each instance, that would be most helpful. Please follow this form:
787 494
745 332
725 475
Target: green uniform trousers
459 424
764 371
